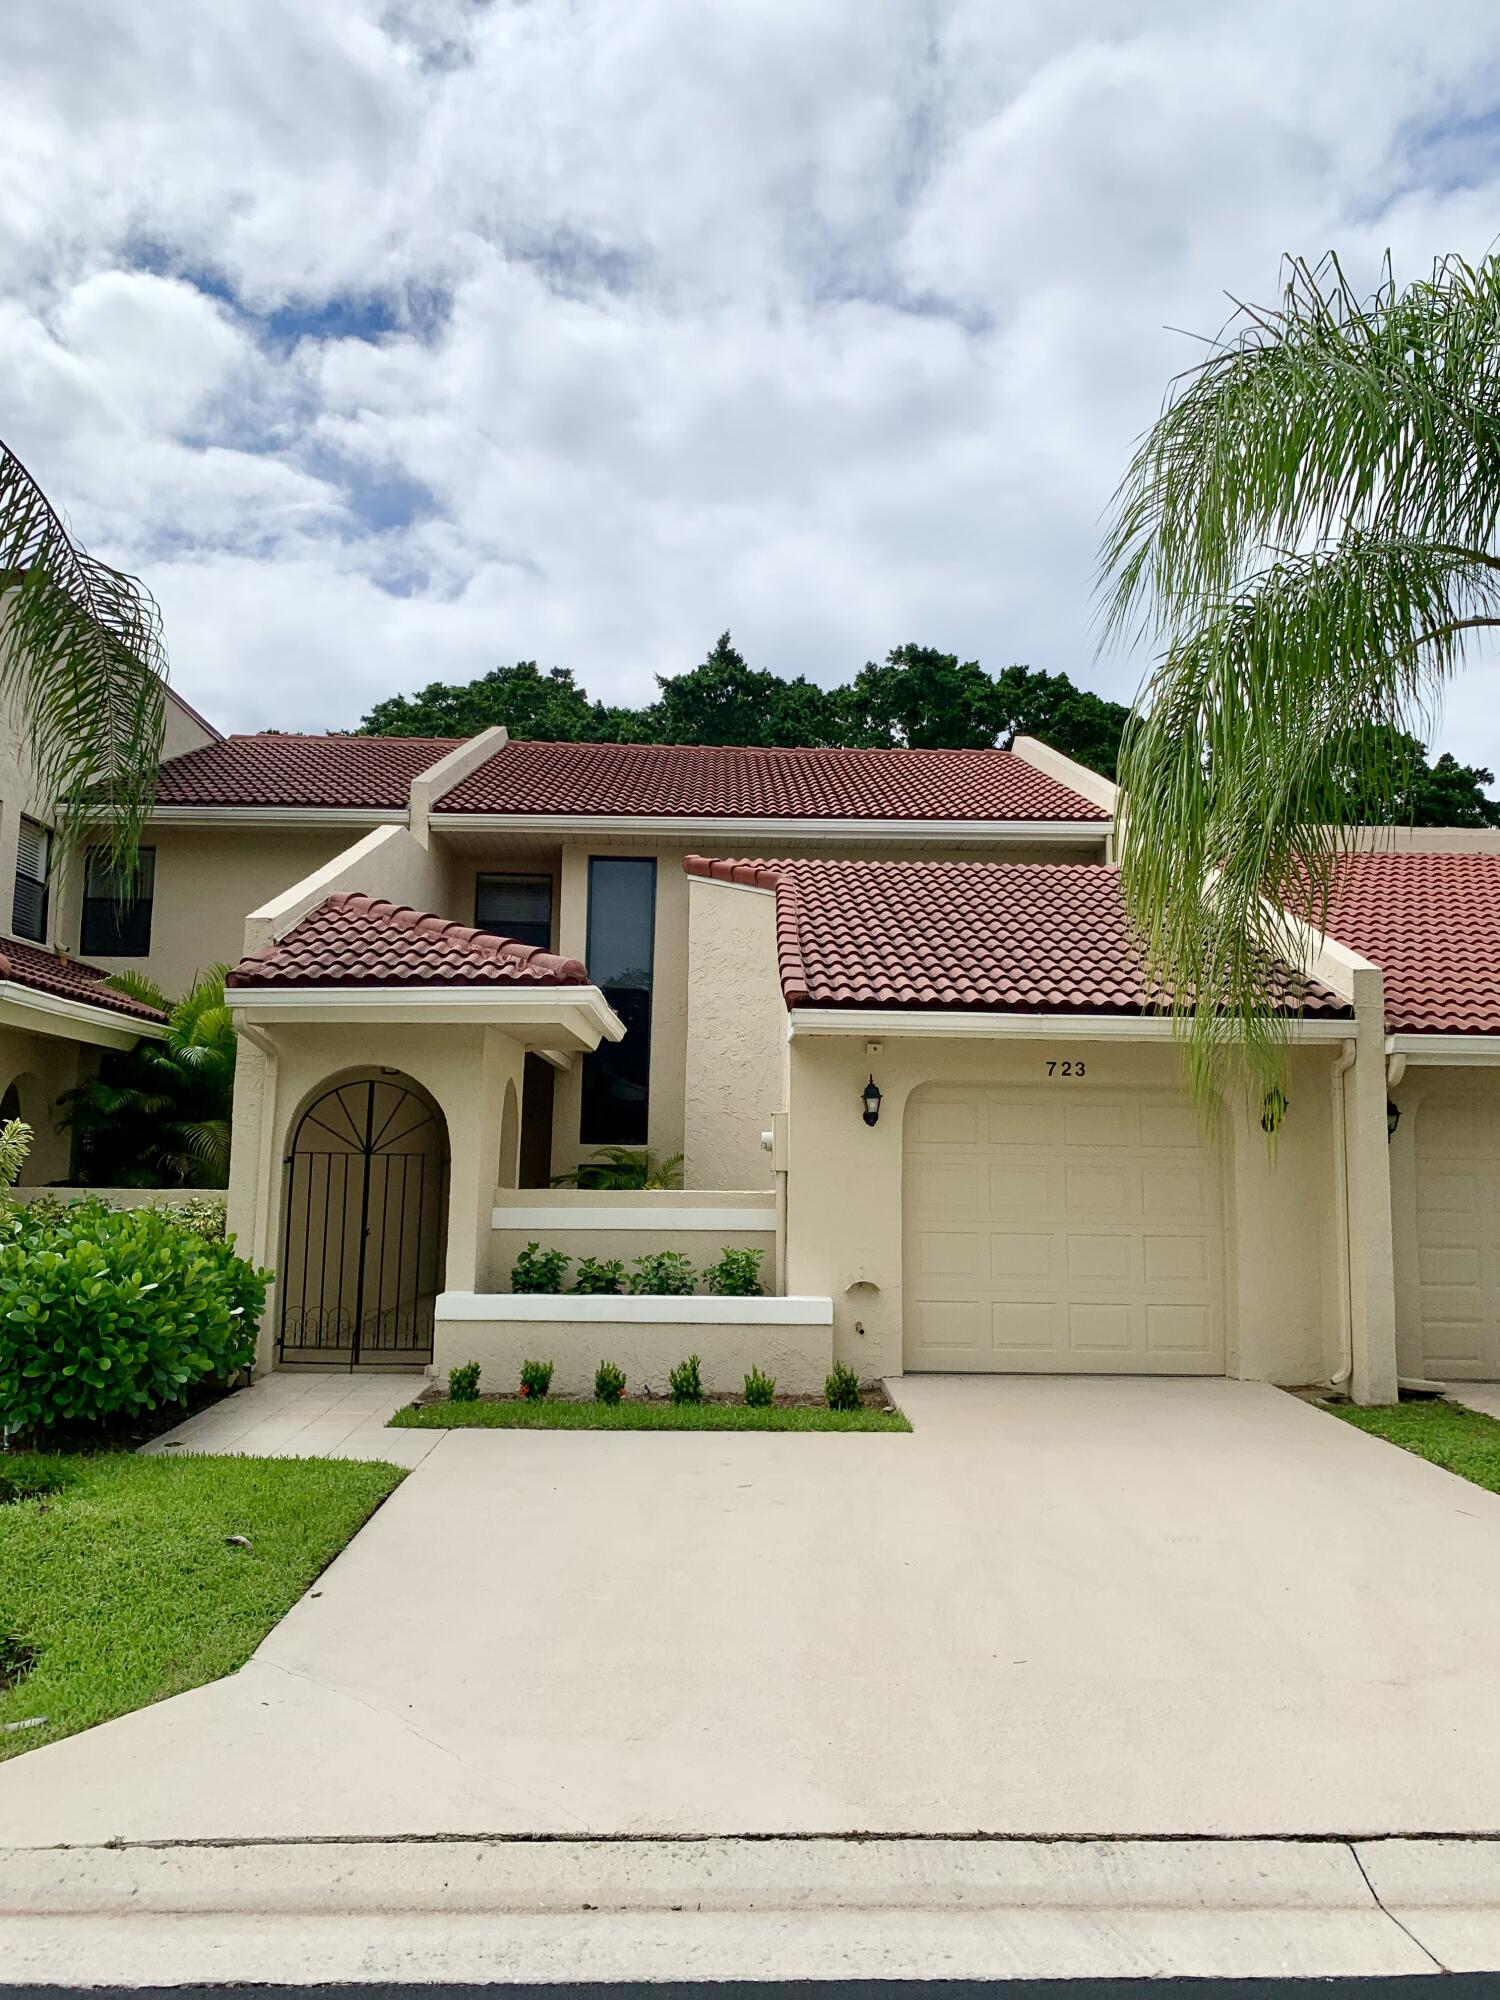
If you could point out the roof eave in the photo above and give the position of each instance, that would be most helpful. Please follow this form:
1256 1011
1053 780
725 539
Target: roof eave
574 1019
986 1023
1061 831
38 1013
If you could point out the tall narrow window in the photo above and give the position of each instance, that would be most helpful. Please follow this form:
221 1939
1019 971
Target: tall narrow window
116 909
515 906
28 909
617 1076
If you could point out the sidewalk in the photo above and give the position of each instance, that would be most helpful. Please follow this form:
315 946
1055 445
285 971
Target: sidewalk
309 1413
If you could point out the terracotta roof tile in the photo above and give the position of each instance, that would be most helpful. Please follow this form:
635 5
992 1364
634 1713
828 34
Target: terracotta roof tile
355 940
1048 937
1431 922
67 979
369 773
676 780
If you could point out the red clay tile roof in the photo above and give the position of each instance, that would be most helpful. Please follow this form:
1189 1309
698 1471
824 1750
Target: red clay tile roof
67 979
354 940
369 773
1431 922
681 781
1046 937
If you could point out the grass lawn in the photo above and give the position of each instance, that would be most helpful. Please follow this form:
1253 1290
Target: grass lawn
549 1415
122 1584
1461 1440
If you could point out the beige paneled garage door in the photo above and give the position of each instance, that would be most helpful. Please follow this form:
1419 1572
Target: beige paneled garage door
1458 1219
1064 1228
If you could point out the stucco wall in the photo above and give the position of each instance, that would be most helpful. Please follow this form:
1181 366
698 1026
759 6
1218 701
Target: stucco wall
844 1233
42 1067
595 1223
736 1035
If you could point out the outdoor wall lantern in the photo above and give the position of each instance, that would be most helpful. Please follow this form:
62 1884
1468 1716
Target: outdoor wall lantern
1392 1119
870 1097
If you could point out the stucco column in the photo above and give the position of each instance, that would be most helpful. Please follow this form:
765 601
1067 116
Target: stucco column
474 1131
1372 1283
255 1168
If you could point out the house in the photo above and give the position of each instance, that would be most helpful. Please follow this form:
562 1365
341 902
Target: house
886 1006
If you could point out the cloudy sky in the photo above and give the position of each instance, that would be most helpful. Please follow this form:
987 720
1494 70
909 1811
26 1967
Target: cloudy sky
388 342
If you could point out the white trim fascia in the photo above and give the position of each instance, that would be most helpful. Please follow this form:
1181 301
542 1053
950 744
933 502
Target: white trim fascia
745 888
630 1310
646 825
281 816
540 1007
428 786
1068 772
948 1024
1452 1051
661 1220
74 1020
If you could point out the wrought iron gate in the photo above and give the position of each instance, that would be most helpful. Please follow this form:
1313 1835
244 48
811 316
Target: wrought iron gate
366 1197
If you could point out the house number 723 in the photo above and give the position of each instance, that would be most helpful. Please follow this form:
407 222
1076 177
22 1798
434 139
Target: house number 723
1066 1069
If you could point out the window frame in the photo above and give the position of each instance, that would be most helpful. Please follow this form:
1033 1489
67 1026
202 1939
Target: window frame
531 877
601 1061
93 904
41 884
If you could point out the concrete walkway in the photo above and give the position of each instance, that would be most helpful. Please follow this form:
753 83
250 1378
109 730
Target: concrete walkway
1059 1607
309 1413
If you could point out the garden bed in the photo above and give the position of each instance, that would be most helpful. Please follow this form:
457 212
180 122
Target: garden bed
642 1413
124 1580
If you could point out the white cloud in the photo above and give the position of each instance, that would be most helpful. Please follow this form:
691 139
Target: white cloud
390 341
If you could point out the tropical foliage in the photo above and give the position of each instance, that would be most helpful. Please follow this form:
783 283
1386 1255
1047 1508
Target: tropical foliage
623 1169
158 1114
82 664
1308 537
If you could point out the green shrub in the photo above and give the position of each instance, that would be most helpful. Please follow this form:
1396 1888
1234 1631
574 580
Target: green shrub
204 1214
463 1383
536 1379
539 1270
599 1275
760 1390
736 1275
609 1383
106 1313
687 1383
842 1388
664 1274
624 1169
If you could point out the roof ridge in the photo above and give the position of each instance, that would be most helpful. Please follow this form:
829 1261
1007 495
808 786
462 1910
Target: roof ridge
759 749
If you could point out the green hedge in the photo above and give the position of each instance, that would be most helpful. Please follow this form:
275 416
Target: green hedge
107 1313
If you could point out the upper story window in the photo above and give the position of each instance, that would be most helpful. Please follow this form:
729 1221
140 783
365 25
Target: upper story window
515 906
28 909
116 909
621 949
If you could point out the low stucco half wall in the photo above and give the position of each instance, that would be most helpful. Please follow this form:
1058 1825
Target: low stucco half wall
590 1222
790 1339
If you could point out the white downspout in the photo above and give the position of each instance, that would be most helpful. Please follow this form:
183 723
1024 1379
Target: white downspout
1395 1069
1341 1069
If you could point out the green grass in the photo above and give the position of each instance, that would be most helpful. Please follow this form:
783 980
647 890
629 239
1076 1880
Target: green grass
123 1582
562 1416
1460 1440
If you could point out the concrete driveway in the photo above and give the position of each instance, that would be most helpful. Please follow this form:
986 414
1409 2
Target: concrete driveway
1110 1607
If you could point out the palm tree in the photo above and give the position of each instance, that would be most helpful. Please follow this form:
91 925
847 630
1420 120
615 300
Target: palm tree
83 668
158 1115
1308 536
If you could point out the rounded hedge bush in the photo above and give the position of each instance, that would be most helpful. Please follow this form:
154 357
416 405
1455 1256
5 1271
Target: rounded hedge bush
105 1313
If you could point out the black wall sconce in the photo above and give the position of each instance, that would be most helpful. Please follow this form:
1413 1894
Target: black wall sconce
870 1098
1392 1119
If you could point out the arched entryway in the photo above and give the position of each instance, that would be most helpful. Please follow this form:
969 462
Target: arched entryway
363 1241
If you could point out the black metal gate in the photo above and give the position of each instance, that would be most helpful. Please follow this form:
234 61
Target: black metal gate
362 1250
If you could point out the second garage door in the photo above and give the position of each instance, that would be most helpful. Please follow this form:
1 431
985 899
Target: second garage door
1061 1229
1458 1230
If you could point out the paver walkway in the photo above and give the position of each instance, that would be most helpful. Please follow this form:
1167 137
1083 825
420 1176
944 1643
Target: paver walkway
309 1413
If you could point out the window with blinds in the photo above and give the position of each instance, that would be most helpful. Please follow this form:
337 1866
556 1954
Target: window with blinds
28 910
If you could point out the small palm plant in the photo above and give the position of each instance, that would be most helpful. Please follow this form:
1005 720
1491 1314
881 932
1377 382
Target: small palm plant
624 1169
158 1115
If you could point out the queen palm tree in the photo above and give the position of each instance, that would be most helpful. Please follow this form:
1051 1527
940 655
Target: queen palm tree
82 668
1307 536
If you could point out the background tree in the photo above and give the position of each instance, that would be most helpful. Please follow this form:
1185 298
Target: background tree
725 701
1308 534
82 667
922 699
549 708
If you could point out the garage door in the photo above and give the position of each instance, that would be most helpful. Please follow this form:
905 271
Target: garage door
1061 1229
1458 1215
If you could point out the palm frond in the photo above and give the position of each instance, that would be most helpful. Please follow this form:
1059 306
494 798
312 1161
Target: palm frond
139 987
84 665
1234 771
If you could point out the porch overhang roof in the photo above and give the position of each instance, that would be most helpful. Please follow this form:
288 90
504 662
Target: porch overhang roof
567 1019
35 1013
